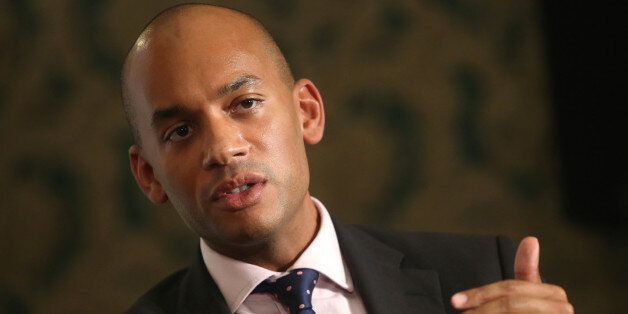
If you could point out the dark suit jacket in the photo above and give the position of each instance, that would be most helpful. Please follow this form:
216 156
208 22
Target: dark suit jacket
393 272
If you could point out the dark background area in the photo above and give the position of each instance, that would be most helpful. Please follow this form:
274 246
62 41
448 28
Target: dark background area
586 49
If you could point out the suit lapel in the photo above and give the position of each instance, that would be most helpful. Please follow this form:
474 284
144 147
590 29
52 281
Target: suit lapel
376 269
199 292
383 284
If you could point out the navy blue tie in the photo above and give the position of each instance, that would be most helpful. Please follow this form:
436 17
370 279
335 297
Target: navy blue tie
293 290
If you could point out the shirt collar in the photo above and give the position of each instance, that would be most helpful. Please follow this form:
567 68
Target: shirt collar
323 254
236 279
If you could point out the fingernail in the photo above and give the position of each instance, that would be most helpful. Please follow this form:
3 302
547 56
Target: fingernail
459 299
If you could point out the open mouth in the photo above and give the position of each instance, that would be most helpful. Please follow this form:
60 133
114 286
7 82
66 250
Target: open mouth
240 189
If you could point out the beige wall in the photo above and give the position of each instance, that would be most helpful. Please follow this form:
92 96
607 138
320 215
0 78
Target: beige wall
438 119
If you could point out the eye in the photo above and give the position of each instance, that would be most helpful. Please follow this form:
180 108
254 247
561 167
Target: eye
179 133
247 104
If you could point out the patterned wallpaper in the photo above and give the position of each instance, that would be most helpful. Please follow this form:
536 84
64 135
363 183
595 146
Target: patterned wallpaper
438 119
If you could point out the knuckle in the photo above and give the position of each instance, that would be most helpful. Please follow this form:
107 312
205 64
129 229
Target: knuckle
478 295
510 287
568 308
561 293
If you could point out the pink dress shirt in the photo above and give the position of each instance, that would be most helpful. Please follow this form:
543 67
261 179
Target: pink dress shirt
334 292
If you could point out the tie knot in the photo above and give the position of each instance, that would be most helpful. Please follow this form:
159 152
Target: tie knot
293 290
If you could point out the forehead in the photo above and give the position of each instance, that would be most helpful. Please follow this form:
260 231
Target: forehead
209 61
181 63
178 74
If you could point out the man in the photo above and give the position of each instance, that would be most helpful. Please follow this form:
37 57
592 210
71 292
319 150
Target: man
220 126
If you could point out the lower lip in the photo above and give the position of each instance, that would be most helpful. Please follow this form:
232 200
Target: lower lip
242 200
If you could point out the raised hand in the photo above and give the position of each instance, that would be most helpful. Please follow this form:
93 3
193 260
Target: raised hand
525 294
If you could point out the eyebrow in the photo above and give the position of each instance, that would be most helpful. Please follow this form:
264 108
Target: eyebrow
241 81
165 114
176 110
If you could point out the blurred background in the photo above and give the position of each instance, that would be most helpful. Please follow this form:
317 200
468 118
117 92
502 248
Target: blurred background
492 117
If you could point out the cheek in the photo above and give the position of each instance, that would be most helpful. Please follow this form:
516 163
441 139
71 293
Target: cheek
181 172
283 142
282 137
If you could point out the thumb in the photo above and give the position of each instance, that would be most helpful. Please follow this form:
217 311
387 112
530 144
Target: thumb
527 260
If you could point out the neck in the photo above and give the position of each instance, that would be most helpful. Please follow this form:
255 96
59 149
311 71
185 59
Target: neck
284 246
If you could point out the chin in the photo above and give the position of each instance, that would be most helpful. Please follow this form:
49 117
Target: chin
248 230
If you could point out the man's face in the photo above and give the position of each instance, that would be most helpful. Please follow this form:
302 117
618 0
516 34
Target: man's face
222 135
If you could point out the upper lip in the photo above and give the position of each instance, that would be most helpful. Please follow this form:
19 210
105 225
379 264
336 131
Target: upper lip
240 179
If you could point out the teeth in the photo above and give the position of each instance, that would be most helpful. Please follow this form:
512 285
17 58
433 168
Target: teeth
240 189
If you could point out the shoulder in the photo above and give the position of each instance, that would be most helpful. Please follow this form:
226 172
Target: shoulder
438 246
163 297
189 290
481 258
461 261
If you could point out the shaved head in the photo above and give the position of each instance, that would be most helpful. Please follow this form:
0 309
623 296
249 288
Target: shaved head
180 25
213 107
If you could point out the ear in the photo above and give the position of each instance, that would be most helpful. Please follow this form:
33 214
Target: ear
312 113
145 177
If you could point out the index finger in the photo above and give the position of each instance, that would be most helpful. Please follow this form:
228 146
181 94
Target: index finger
476 297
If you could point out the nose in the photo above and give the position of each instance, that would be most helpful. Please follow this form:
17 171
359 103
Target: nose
225 144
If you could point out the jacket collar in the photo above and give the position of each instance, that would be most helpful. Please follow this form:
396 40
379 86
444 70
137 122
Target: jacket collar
381 278
378 272
199 292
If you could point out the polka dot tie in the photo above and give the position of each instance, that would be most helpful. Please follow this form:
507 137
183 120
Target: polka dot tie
293 290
